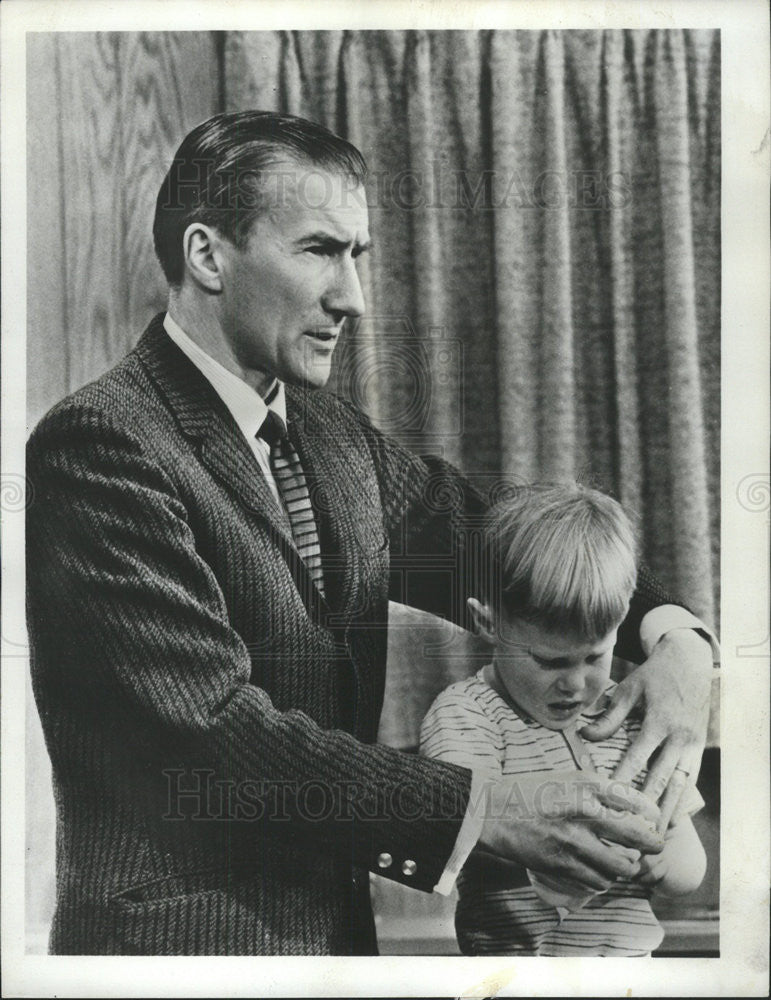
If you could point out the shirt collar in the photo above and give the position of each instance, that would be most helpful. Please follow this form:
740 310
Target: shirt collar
244 403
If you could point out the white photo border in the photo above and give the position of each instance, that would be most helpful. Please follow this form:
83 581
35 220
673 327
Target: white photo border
742 968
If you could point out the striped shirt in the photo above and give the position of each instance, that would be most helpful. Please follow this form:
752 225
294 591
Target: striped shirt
470 724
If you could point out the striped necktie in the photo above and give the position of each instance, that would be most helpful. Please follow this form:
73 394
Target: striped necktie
293 490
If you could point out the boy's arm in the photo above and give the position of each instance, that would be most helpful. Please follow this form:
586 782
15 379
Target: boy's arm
680 867
564 824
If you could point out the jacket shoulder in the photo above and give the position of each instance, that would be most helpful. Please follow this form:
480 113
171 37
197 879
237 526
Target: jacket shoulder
118 398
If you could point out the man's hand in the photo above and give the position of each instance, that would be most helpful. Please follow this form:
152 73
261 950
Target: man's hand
674 685
557 823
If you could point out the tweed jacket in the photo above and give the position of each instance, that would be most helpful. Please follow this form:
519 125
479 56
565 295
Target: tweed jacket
210 717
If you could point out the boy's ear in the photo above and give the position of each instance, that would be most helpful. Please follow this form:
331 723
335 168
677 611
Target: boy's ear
483 619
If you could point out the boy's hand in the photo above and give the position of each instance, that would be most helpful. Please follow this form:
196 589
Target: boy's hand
680 867
653 868
559 824
674 684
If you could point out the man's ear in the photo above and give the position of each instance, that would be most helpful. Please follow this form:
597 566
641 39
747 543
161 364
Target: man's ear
483 619
199 243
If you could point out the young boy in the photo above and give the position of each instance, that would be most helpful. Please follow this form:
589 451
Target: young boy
562 569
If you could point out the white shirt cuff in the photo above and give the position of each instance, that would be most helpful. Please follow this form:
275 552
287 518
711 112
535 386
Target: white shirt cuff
668 617
470 829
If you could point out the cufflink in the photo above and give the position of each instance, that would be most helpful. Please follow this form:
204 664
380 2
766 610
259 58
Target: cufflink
409 867
384 860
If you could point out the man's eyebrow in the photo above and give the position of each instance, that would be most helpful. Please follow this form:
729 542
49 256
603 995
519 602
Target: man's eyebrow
331 242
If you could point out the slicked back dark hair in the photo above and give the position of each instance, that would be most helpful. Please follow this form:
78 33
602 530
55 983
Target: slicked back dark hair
217 176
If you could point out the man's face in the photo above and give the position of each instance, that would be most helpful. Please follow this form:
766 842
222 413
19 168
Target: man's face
286 294
553 678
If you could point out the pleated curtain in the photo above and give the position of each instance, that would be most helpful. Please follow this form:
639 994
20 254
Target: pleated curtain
544 287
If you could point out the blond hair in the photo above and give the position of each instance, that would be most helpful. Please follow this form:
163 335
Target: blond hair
562 556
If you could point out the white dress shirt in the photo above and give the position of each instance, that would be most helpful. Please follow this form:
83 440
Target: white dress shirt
245 403
249 410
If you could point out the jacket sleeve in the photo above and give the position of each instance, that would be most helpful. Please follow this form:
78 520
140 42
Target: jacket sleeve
125 614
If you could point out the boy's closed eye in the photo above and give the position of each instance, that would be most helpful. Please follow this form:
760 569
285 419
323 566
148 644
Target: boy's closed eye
561 663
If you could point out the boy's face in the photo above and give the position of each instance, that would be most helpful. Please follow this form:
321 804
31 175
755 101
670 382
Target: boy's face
551 676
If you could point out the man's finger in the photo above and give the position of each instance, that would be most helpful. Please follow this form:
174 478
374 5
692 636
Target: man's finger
671 798
683 776
628 830
639 753
680 808
586 863
625 697
581 795
619 795
608 860
663 770
628 852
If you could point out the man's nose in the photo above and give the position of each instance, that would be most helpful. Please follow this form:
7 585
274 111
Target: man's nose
344 297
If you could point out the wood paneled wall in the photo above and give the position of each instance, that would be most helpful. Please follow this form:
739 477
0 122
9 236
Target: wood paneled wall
106 112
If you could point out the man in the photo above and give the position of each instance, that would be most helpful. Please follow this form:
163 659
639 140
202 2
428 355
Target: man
208 581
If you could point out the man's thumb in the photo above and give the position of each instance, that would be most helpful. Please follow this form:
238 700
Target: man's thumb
623 700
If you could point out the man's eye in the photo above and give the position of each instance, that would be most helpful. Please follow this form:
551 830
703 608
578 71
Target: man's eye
326 250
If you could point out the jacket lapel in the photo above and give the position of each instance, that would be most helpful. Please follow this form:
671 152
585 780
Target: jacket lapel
204 417
326 466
